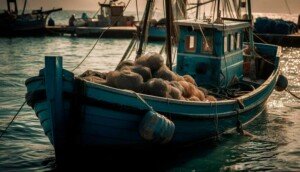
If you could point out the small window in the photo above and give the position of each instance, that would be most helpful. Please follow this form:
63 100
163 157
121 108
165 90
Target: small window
238 41
232 42
207 44
190 43
225 44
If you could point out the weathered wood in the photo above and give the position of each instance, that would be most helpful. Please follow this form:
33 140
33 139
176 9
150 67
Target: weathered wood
54 85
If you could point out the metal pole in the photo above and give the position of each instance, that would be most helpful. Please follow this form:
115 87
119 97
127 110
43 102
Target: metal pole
197 11
169 33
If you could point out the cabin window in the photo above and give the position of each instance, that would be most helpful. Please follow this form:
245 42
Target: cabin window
232 42
207 43
190 43
238 41
225 44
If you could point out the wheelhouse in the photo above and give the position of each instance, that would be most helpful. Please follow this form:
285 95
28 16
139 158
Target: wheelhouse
210 52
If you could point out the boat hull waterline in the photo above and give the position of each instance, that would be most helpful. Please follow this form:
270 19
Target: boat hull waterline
98 115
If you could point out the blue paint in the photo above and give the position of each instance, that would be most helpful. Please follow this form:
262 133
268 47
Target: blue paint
157 33
217 67
111 117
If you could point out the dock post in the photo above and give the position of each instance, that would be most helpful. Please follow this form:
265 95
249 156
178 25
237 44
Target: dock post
54 86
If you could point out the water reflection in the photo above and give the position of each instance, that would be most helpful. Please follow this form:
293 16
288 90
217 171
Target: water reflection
276 145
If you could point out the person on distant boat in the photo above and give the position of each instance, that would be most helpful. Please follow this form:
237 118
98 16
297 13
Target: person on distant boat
72 20
84 16
51 22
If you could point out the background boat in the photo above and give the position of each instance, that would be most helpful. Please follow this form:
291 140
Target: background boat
13 23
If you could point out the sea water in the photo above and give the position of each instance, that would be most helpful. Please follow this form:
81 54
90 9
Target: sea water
24 147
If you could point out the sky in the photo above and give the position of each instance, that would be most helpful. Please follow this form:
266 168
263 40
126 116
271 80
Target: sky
276 6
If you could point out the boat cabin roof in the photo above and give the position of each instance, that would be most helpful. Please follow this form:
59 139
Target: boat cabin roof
226 25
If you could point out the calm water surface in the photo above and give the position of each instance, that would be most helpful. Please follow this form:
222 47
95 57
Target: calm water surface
275 147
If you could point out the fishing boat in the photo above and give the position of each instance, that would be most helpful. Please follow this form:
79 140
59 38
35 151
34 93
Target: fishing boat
109 21
78 113
25 24
157 30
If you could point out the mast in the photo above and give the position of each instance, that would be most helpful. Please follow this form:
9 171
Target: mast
239 9
218 20
197 10
25 3
251 44
145 27
169 33
251 41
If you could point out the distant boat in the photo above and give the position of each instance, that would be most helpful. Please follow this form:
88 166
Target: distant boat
157 31
111 14
25 24
81 114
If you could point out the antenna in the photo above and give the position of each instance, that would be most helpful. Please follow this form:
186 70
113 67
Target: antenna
288 7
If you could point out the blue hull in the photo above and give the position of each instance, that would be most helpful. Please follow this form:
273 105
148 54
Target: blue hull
157 33
97 115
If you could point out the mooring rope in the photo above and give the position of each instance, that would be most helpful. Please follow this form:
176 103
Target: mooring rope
143 101
12 120
18 112
292 94
101 37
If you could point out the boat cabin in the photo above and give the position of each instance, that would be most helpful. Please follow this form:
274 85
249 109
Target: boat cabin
210 52
112 14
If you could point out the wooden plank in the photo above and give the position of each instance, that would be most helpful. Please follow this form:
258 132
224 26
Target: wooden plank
53 81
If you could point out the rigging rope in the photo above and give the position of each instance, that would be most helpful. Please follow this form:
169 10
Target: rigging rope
137 10
101 37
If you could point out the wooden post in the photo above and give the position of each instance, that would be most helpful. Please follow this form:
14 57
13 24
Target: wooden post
145 26
169 20
54 86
